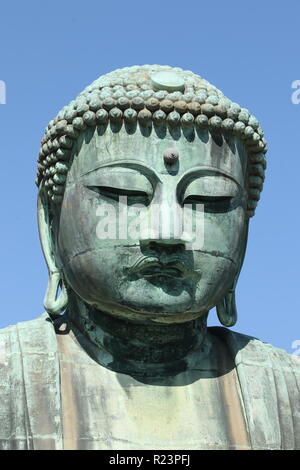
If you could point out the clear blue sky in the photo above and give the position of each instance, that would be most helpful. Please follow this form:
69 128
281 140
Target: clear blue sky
51 50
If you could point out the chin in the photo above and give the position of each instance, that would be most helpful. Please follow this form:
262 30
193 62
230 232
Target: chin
161 295
168 317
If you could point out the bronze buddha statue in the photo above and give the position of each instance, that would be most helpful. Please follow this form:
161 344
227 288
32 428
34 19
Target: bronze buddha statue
147 182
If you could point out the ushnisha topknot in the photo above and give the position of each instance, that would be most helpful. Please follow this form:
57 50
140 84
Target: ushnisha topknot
149 94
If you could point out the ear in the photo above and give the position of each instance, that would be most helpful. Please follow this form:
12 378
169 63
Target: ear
226 308
54 302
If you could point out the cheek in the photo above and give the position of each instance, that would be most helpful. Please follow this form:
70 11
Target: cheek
219 258
224 233
93 267
217 276
78 221
94 275
81 253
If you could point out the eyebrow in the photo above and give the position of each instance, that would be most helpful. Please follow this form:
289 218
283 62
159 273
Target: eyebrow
206 171
149 172
132 164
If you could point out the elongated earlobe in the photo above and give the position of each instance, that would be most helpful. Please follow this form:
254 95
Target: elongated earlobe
226 309
55 302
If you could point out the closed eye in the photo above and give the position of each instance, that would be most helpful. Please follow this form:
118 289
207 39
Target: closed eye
133 196
211 203
204 199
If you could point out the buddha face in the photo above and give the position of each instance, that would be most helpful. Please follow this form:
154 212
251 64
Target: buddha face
146 237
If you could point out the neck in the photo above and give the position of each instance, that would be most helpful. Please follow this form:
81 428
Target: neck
128 347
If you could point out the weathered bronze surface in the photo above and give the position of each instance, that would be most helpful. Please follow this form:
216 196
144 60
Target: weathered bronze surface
122 358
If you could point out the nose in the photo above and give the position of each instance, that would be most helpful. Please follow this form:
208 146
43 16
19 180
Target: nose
163 250
166 226
167 221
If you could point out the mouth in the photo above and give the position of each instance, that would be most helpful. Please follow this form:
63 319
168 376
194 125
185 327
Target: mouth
153 268
161 270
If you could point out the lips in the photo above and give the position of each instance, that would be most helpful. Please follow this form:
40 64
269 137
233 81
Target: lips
152 267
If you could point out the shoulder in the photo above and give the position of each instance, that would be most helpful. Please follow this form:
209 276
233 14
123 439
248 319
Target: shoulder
26 348
29 335
42 322
31 341
250 350
29 385
269 378
28 324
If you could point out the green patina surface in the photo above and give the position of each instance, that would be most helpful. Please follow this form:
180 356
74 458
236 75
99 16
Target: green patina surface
123 359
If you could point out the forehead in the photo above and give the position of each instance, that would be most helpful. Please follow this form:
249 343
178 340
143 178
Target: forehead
94 149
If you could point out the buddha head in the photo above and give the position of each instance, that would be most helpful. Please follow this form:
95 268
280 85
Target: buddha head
147 182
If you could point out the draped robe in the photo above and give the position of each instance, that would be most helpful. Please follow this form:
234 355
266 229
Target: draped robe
54 395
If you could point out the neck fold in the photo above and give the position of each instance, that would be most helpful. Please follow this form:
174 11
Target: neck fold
139 348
